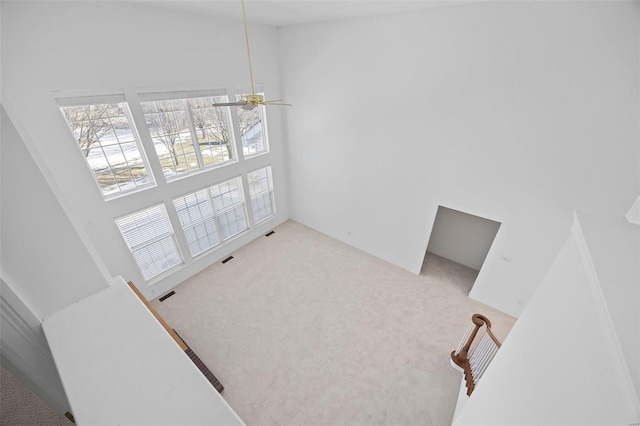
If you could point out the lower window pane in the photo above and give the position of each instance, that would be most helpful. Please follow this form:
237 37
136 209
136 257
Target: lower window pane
232 222
262 207
150 239
212 215
261 191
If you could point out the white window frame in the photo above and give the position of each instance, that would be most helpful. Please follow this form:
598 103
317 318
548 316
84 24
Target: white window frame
216 213
232 207
193 224
185 95
133 113
147 243
65 99
269 191
239 94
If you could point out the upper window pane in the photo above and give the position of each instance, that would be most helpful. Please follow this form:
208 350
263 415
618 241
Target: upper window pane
169 128
106 137
252 130
212 129
189 134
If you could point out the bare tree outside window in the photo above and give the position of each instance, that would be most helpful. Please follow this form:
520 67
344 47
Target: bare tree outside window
211 123
167 125
107 140
90 122
189 134
251 129
248 119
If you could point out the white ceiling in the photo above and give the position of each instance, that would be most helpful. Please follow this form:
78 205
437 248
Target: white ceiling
292 12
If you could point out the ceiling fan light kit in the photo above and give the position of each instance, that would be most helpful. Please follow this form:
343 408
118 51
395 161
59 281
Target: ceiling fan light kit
253 100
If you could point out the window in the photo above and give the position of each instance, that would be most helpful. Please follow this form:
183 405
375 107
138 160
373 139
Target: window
212 215
261 192
228 201
189 135
252 130
188 132
108 140
150 239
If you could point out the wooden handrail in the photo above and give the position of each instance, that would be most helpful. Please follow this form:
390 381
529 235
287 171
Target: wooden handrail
461 358
162 322
183 345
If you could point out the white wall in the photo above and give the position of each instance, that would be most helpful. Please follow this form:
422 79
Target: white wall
461 237
613 257
516 111
52 46
44 266
42 257
558 366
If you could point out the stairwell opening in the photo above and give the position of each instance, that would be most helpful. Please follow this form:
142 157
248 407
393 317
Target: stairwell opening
458 245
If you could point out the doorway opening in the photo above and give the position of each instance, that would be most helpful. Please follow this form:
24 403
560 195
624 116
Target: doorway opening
458 246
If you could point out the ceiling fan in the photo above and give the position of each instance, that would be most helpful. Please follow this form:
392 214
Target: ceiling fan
253 100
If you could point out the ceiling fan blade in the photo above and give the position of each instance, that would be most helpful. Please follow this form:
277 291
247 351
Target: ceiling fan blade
239 103
279 103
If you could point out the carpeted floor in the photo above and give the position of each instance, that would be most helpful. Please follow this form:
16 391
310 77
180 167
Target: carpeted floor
19 406
304 330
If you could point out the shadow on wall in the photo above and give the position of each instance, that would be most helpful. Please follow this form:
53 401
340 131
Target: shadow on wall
461 237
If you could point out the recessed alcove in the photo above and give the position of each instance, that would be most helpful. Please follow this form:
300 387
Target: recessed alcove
460 237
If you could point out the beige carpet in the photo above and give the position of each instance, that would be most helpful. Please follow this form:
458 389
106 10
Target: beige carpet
19 406
304 330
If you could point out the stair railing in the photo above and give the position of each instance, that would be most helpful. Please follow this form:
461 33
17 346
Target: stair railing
475 351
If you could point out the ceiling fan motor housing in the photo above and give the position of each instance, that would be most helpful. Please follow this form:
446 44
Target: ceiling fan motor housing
255 99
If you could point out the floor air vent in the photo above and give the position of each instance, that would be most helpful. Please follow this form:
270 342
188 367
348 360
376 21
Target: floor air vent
268 234
166 296
227 259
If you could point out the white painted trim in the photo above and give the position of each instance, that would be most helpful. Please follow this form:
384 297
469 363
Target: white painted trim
152 95
604 319
633 215
462 396
11 317
13 363
16 315
85 97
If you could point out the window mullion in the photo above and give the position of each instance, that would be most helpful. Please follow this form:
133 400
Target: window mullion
151 241
247 196
216 219
194 135
261 193
138 118
235 127
197 222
